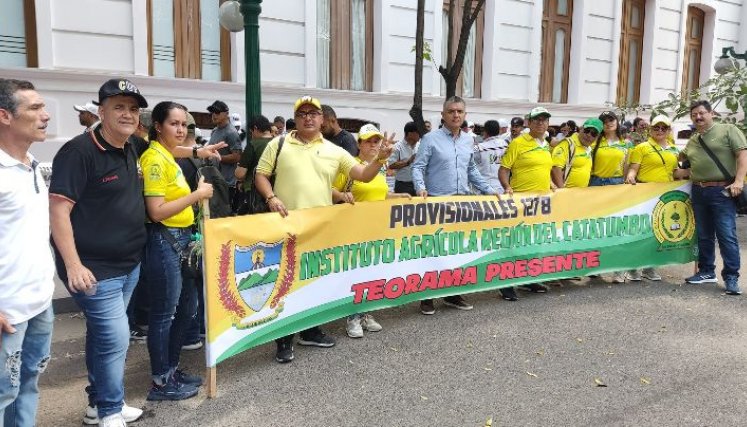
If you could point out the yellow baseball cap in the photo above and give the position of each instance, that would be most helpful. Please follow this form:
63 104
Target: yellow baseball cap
661 118
307 100
367 131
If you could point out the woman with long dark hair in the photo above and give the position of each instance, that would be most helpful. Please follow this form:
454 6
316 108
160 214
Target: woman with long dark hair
168 202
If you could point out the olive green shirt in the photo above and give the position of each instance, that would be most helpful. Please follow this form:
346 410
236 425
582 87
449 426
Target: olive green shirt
725 140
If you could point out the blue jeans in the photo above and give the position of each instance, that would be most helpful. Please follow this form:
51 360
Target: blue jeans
107 340
596 181
172 306
24 355
715 217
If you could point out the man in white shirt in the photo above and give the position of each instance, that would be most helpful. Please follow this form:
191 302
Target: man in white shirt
26 264
402 157
488 154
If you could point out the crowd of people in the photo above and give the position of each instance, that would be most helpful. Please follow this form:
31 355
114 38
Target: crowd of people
121 207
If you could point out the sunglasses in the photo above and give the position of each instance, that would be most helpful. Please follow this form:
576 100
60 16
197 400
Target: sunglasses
592 132
660 128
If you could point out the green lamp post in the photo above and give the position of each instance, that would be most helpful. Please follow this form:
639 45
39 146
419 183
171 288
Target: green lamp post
251 10
243 15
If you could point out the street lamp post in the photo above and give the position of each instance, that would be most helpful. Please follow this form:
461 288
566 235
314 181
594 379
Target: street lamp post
726 63
251 10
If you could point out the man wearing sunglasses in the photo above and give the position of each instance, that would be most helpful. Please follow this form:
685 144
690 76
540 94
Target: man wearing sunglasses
304 170
571 158
713 193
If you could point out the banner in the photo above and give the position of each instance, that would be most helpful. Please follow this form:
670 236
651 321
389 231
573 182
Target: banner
267 276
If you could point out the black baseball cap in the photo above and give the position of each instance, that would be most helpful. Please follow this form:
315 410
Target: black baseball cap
124 87
517 121
218 107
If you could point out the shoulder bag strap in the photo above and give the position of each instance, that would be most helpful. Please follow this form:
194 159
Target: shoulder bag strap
571 155
715 159
658 152
277 156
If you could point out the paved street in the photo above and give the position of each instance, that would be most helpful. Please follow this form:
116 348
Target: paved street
667 353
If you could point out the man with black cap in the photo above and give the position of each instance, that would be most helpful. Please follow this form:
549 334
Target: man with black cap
224 132
97 214
517 126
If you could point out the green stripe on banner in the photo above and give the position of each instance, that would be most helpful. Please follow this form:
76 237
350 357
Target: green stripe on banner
620 253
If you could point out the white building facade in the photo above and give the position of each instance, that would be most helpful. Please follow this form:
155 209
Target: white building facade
572 56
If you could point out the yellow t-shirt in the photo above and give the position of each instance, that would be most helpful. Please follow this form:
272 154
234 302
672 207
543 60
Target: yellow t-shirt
162 177
372 191
530 164
657 163
305 172
580 165
609 160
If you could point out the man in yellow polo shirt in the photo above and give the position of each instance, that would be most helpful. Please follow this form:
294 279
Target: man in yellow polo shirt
572 157
304 173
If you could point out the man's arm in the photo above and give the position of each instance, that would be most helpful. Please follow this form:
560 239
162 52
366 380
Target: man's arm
264 188
475 178
79 277
418 168
556 173
5 326
504 176
738 184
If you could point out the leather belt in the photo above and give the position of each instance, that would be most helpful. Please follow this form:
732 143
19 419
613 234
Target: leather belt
711 183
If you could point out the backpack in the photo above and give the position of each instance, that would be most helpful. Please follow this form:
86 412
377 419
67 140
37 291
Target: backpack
253 202
220 203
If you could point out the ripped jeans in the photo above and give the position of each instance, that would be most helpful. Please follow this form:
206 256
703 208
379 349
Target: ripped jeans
24 355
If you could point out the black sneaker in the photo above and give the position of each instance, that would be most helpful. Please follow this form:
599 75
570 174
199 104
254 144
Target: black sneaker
457 302
284 353
172 390
534 287
316 338
426 307
137 334
509 294
186 378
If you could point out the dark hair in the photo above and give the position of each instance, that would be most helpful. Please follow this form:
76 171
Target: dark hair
159 115
278 119
8 89
290 125
618 132
465 124
328 111
492 128
572 126
702 103
637 121
260 122
410 127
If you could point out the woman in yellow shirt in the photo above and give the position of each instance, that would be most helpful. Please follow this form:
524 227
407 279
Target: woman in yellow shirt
654 161
168 202
349 191
609 159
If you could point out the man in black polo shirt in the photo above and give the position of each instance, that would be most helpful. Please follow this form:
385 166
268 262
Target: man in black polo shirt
334 133
97 215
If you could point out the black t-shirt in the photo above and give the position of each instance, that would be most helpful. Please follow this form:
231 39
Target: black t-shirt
108 216
250 158
347 141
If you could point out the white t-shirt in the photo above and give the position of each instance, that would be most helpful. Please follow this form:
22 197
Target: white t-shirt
26 263
488 156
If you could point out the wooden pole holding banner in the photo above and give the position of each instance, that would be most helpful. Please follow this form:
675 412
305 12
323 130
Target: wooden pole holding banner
211 375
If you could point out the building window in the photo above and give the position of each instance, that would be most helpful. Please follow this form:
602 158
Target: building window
556 50
345 44
693 47
186 40
469 83
18 34
631 52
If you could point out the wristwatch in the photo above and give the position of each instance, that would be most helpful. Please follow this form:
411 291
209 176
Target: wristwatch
194 152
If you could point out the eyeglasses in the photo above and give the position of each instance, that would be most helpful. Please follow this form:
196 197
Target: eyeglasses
660 128
592 132
305 114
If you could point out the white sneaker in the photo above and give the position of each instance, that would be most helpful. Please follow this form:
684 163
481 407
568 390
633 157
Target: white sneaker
634 275
193 346
129 414
370 324
113 420
354 328
651 274
618 277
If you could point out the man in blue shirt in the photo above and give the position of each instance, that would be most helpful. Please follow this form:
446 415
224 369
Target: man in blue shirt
444 166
